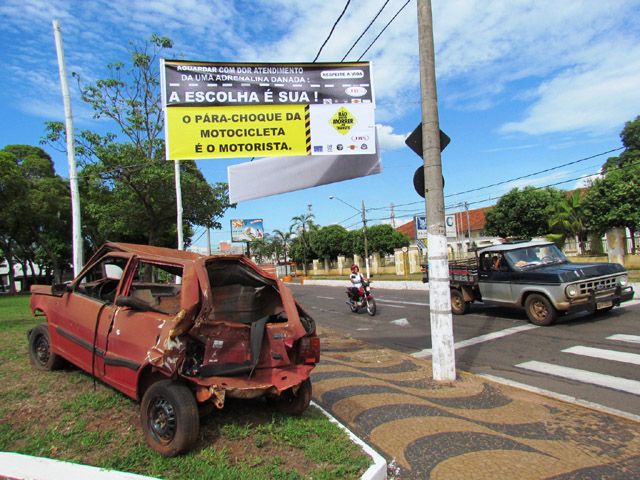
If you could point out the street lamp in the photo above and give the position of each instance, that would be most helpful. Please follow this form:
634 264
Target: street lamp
364 229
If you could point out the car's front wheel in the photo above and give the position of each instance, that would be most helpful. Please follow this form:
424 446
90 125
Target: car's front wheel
540 310
40 352
170 420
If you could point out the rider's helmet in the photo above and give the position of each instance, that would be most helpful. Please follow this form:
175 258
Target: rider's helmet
354 267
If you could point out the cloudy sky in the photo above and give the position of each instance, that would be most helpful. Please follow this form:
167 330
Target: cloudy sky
523 86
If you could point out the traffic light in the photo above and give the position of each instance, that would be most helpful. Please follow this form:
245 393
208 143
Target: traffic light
414 142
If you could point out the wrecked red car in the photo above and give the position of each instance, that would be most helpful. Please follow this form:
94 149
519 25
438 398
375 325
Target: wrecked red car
178 331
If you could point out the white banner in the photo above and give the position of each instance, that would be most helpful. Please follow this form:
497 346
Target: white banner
273 175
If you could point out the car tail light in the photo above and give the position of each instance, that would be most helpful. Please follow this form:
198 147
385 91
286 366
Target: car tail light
310 349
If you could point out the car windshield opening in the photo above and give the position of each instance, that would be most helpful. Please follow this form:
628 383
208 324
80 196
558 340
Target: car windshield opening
534 256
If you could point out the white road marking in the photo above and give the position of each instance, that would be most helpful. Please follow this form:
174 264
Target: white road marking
420 304
605 354
389 305
401 322
427 352
625 338
363 329
327 298
608 381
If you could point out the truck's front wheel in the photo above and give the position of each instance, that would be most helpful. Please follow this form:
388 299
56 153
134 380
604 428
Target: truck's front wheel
539 310
458 304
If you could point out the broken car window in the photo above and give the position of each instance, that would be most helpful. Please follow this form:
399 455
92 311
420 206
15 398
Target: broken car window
158 285
101 281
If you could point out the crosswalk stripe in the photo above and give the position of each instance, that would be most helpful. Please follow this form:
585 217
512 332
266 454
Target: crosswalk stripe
605 354
427 352
621 337
608 381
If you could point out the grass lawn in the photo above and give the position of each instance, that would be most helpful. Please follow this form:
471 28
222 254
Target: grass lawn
64 415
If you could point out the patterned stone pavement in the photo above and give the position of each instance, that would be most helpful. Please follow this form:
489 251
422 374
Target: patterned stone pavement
468 429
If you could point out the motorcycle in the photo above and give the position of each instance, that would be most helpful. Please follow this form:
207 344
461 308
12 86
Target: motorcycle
363 299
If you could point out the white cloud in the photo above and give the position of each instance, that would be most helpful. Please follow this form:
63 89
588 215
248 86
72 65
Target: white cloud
571 66
389 140
542 181
594 98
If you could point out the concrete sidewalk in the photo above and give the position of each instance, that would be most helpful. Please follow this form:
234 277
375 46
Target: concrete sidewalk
472 428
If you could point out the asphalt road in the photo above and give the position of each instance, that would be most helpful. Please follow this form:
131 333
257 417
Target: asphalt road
592 358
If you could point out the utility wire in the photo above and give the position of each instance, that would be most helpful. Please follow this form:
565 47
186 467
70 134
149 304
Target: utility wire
535 173
331 32
385 27
454 205
365 30
509 180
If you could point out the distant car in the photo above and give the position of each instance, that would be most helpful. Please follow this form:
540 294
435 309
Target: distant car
536 276
178 332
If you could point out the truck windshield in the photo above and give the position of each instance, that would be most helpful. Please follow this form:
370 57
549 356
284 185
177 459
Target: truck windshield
534 256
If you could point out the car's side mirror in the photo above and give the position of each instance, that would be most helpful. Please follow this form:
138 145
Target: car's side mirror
133 303
60 289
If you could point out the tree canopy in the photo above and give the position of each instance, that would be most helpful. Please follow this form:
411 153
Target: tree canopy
127 187
523 213
35 212
614 199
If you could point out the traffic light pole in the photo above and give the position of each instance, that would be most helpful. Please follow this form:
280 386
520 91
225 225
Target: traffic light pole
444 365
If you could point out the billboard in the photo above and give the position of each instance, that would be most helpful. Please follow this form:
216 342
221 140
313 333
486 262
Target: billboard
420 222
222 110
247 230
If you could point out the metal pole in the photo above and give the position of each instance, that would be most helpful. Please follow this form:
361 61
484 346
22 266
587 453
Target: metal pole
208 241
366 245
76 224
176 167
444 365
466 207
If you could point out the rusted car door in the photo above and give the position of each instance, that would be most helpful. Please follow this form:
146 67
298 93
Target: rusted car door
88 309
134 332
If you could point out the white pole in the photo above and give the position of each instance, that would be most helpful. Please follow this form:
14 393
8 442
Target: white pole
366 246
76 229
176 165
444 361
208 241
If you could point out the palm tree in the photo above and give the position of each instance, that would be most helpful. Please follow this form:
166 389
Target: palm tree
569 218
303 223
284 239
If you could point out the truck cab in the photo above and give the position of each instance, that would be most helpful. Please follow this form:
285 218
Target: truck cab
536 276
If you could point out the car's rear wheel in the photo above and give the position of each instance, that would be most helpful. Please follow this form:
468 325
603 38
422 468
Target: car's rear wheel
169 415
295 403
540 311
458 304
40 352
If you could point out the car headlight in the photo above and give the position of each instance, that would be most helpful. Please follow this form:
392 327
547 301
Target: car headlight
572 291
623 280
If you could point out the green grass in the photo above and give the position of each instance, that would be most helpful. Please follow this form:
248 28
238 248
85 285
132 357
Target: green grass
60 415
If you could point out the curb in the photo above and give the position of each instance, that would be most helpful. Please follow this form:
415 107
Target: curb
377 471
559 396
16 466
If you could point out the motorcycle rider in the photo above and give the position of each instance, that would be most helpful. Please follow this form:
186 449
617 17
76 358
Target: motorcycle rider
357 280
